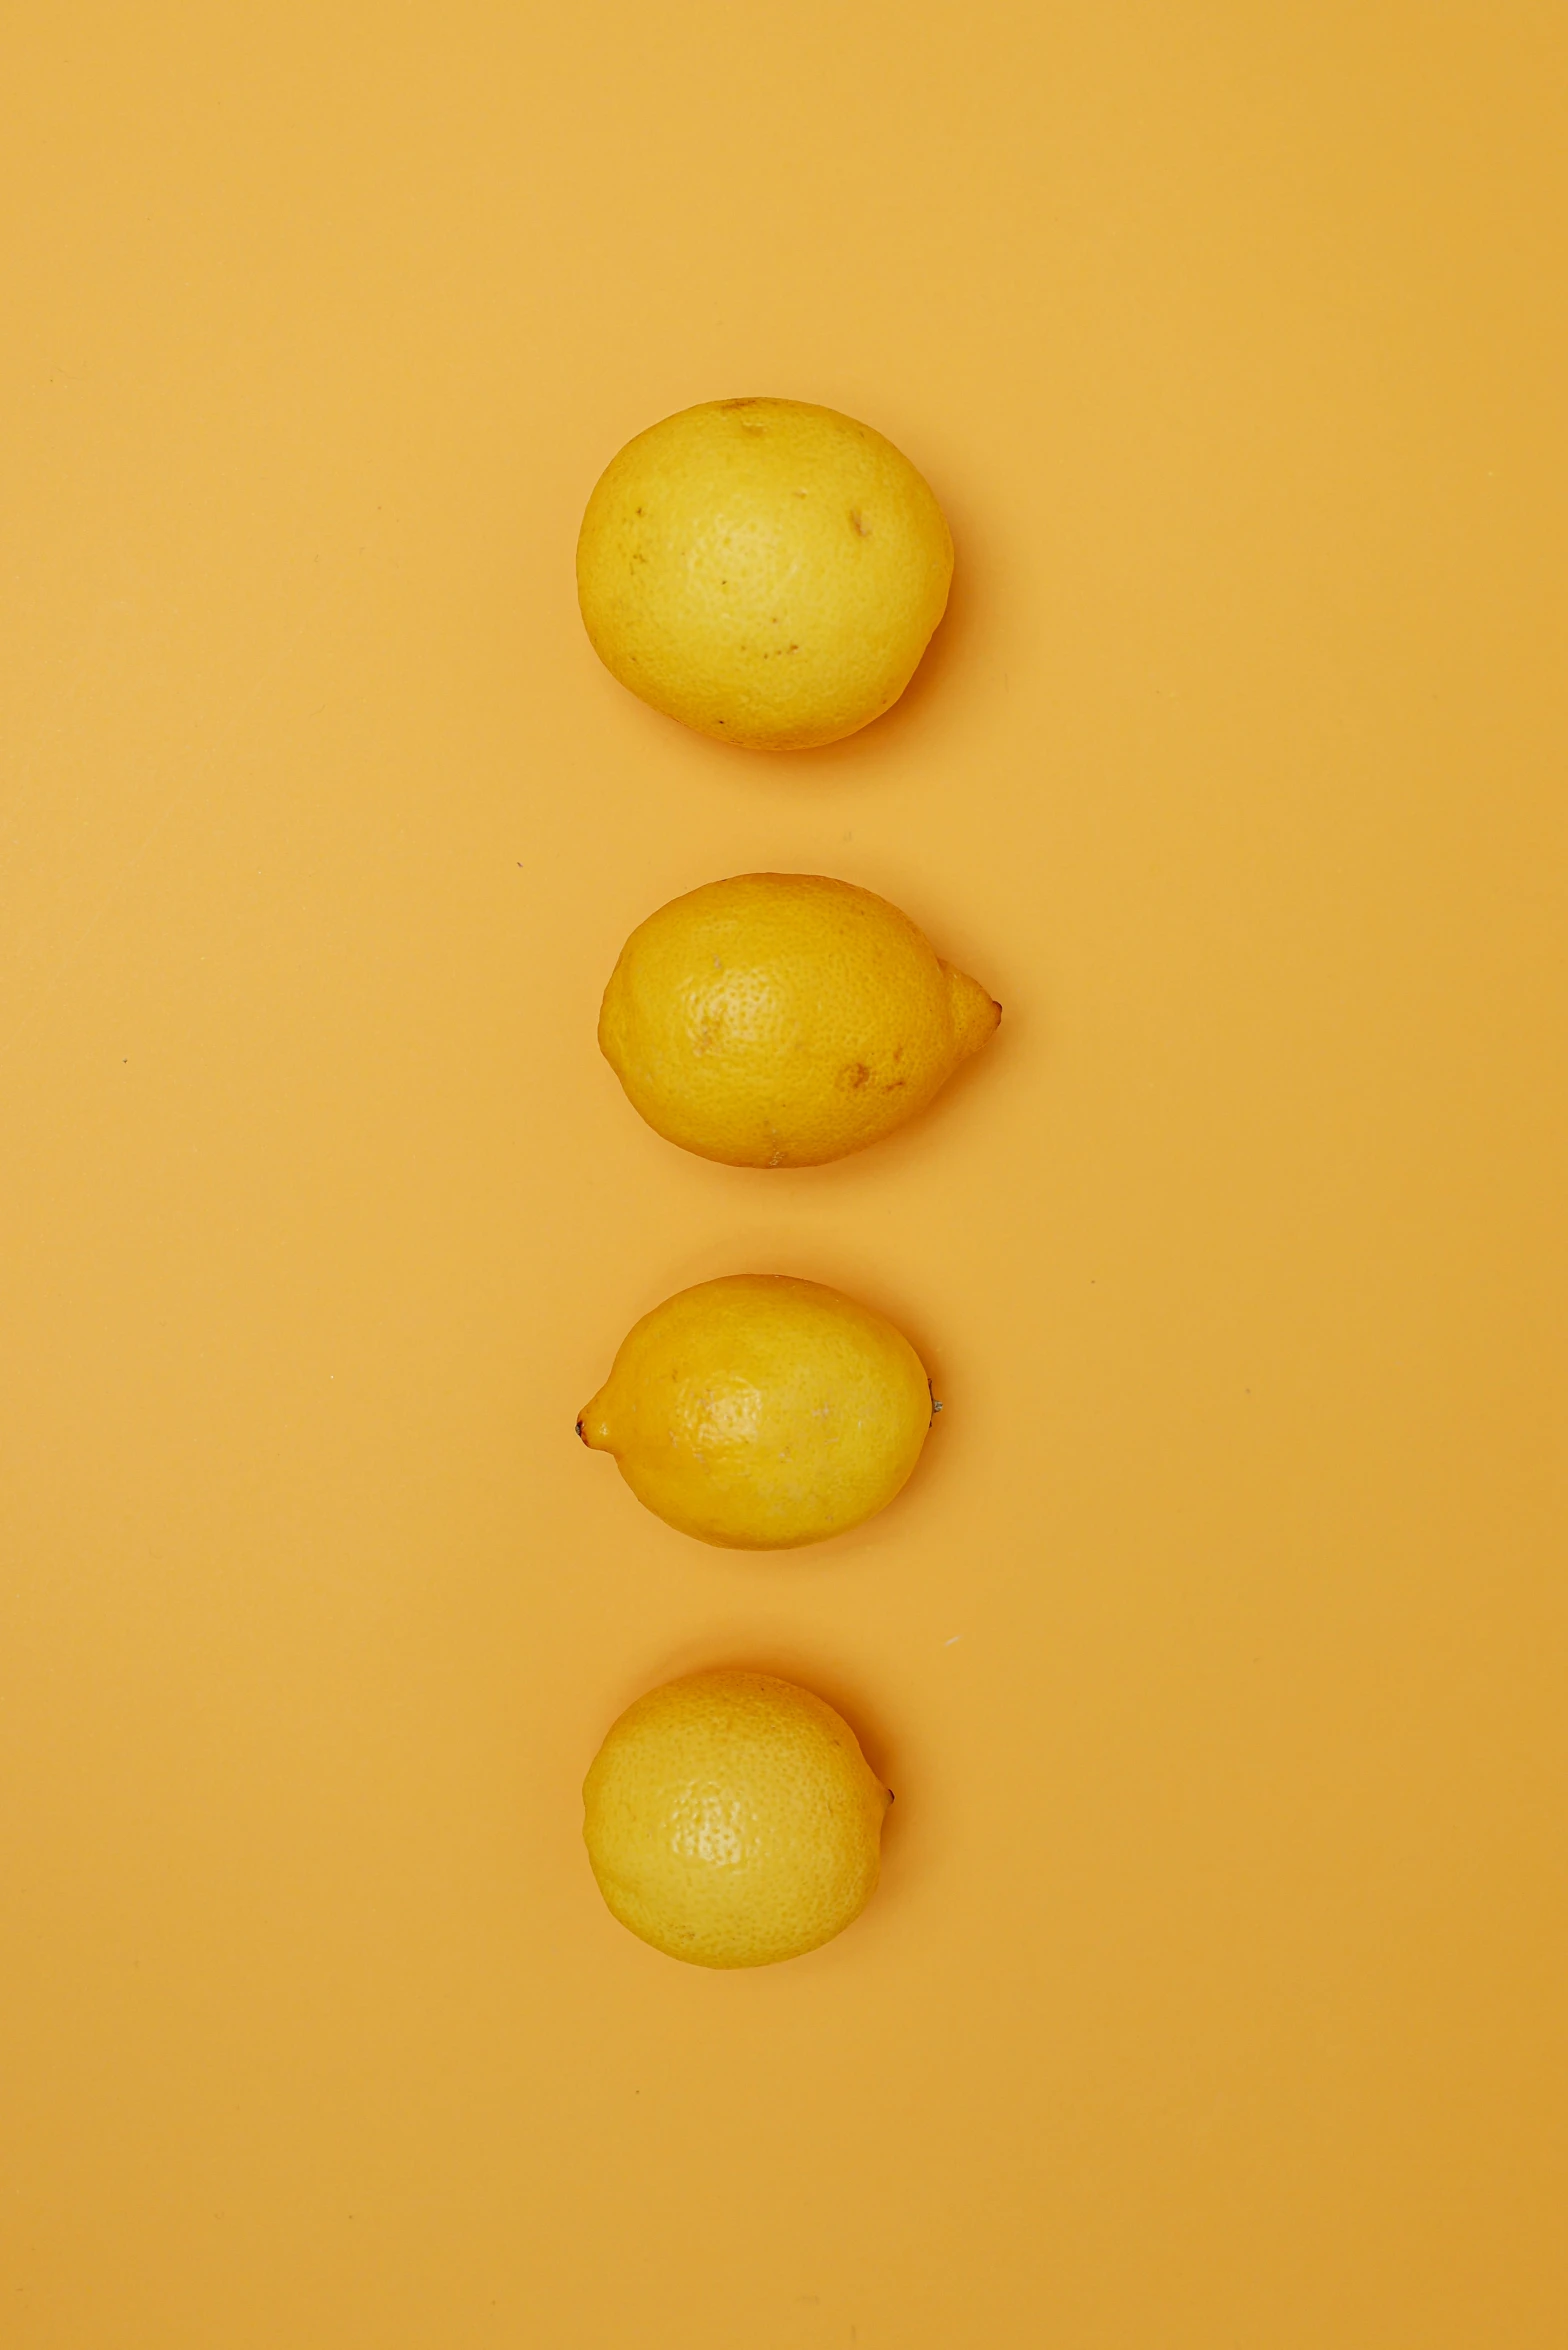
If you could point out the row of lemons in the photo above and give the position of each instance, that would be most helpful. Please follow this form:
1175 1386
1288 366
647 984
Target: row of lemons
769 573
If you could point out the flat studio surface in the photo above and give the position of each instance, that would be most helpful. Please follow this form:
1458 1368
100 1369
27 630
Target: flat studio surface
1215 1650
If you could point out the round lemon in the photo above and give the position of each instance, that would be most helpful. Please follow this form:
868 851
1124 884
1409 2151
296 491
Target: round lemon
765 571
732 1820
783 1019
761 1412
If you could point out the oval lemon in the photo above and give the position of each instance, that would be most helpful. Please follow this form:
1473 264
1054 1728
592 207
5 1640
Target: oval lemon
785 1019
731 1820
760 1412
766 571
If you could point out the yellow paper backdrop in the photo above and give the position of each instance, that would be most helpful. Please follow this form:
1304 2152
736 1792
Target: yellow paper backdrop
1215 1993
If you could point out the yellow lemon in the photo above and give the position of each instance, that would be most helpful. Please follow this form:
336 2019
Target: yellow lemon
783 1019
731 1820
761 1413
765 571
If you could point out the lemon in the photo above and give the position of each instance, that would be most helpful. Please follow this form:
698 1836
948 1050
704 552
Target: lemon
783 1019
765 571
761 1412
732 1820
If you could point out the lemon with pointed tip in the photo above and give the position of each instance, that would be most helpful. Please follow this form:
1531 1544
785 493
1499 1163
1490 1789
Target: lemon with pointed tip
760 1412
785 1019
766 571
731 1820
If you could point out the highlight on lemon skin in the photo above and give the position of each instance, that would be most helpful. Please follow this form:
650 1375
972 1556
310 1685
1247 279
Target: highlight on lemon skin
759 1412
732 1820
785 1019
766 571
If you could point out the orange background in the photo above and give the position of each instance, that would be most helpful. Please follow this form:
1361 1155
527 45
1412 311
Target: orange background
1215 1993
